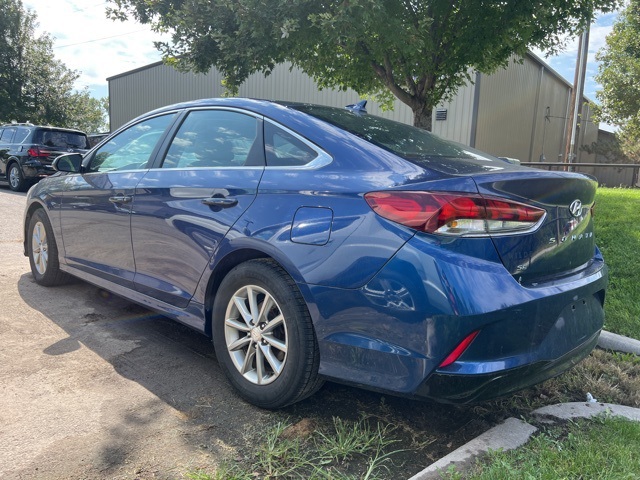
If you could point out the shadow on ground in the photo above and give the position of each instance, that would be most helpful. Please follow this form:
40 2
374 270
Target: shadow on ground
178 366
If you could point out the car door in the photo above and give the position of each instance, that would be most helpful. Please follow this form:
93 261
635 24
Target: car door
185 206
96 204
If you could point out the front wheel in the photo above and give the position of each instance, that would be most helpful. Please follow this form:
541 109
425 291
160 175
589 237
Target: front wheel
17 182
263 335
43 251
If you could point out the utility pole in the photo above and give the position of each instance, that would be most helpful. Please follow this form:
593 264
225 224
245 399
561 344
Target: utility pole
577 94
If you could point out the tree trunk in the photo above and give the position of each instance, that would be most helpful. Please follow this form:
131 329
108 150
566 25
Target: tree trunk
422 117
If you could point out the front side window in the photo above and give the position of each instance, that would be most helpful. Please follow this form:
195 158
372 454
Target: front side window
131 149
214 138
7 135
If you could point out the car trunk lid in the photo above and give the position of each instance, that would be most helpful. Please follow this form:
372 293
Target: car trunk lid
564 241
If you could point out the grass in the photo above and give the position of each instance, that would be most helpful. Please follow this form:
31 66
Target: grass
617 227
356 450
603 448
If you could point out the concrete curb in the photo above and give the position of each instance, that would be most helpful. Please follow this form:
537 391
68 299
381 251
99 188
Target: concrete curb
613 341
512 433
569 411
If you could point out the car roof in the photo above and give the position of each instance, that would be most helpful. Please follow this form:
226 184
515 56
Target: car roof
42 127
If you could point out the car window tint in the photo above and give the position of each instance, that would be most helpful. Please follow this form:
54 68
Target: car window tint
61 139
132 148
7 135
213 138
283 149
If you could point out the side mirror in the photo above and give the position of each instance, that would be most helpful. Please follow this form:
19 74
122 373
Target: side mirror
70 162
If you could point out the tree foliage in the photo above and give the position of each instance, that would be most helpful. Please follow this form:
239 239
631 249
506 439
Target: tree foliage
34 86
619 75
420 51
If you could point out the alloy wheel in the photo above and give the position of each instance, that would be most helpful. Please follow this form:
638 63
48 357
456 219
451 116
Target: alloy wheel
40 248
256 334
14 177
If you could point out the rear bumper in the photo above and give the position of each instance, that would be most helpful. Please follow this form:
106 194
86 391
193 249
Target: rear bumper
393 334
452 388
35 169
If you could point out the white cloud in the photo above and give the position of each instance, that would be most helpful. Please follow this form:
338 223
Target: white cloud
87 41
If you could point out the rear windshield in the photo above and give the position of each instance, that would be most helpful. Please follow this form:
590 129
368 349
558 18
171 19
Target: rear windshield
61 139
403 140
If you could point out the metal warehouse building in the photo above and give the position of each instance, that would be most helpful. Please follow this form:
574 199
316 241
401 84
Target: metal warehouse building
519 112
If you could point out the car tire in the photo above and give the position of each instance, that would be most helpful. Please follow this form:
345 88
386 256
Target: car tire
16 179
263 335
43 251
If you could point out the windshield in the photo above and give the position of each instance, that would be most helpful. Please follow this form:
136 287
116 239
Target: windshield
404 140
61 139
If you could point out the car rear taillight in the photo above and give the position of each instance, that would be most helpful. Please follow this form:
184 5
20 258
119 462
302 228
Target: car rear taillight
36 152
454 213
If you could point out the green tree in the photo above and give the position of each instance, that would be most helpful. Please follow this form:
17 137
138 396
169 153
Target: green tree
619 75
420 51
16 27
87 113
34 85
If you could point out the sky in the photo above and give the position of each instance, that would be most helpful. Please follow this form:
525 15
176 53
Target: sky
85 40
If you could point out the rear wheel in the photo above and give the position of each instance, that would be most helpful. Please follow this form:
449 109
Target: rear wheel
17 182
263 335
43 251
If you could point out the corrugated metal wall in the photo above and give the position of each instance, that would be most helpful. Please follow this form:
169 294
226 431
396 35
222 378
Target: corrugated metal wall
457 126
134 93
520 111
506 110
550 119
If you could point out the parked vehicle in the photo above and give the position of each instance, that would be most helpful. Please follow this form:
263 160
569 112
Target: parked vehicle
27 151
96 138
316 243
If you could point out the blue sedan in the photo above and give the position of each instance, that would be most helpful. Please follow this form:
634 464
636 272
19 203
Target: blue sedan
315 243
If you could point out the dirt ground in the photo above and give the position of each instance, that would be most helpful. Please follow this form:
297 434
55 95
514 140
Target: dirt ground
95 387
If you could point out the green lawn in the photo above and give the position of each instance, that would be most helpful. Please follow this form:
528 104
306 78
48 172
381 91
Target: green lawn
603 448
617 226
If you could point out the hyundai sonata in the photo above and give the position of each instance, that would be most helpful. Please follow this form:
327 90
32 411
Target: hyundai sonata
315 243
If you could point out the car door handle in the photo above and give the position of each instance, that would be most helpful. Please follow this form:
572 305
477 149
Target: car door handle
220 202
120 199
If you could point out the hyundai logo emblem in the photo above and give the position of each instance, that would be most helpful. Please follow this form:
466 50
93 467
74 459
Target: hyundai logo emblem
576 208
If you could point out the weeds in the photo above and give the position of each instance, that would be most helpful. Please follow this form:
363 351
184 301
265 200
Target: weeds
349 451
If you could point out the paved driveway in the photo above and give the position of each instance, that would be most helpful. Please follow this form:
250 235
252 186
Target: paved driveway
95 387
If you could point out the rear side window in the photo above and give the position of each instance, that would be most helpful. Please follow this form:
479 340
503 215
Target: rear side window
132 148
21 135
61 139
283 149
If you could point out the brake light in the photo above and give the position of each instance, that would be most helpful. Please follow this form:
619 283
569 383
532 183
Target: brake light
36 152
459 350
454 213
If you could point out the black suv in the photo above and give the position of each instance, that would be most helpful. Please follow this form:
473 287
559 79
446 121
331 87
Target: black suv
27 151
